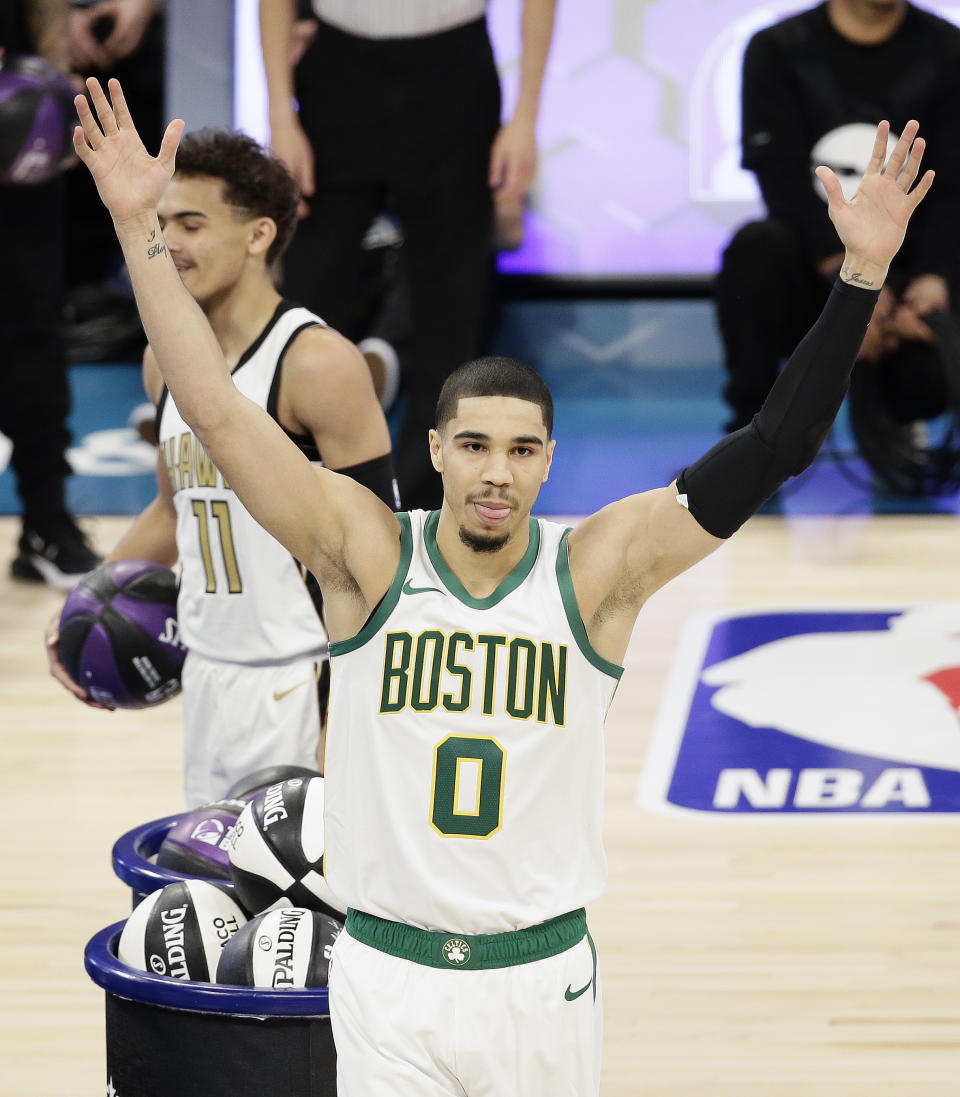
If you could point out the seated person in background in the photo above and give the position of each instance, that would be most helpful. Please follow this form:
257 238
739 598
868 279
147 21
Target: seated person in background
813 86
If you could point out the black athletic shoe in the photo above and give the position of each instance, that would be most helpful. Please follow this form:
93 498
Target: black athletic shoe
54 551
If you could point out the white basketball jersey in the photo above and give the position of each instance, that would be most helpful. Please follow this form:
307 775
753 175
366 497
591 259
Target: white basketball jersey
464 764
243 597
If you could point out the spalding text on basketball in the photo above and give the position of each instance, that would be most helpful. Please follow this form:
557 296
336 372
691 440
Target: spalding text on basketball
274 808
283 958
173 941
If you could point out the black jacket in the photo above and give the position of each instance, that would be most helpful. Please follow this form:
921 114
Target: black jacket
802 80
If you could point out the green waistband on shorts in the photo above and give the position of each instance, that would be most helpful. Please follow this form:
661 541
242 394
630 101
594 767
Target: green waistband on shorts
466 951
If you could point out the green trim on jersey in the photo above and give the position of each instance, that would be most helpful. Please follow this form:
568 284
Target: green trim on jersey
468 951
453 584
574 619
389 600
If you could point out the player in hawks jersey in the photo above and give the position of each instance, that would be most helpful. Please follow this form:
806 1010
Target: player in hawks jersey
247 614
475 650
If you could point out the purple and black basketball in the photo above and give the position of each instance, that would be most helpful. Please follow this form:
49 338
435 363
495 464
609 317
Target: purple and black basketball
119 637
37 118
198 843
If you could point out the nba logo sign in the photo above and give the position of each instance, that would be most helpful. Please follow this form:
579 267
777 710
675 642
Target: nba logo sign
834 712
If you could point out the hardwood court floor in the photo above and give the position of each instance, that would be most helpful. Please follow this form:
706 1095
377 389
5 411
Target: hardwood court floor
758 959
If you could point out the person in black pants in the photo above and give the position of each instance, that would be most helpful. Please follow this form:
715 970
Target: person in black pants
34 388
813 85
125 39
411 123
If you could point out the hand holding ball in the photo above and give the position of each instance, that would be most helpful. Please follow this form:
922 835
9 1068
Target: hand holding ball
118 634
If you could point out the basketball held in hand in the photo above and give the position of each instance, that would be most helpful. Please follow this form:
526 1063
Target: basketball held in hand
119 638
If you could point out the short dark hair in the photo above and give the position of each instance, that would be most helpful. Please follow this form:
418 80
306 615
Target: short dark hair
255 182
494 376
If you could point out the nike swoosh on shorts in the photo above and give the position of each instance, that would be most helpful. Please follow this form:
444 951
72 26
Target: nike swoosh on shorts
278 695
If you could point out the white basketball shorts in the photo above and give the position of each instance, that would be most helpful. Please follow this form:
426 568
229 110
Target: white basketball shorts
403 1029
238 719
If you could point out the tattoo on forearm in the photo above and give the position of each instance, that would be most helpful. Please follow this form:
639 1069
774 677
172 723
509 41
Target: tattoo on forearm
856 277
155 249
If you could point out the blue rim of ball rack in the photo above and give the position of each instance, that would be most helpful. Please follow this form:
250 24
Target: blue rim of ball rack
107 971
131 853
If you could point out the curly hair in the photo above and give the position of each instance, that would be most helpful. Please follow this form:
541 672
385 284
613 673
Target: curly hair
256 183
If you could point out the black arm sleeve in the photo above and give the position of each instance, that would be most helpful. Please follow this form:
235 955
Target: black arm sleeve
377 475
730 482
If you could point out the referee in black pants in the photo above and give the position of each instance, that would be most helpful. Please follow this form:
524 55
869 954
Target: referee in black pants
398 106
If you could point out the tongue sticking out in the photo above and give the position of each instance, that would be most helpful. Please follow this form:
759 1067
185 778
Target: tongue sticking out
492 513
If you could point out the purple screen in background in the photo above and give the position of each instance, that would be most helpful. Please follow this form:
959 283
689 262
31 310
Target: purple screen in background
639 133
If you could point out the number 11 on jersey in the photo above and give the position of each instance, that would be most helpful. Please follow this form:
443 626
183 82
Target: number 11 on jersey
220 510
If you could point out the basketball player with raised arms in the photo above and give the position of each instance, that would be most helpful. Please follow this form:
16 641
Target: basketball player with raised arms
475 651
252 628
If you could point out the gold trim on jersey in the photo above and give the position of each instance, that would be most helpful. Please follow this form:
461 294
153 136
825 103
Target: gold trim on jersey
449 815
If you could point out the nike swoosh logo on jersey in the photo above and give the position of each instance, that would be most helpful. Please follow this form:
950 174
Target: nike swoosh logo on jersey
572 995
409 588
278 695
